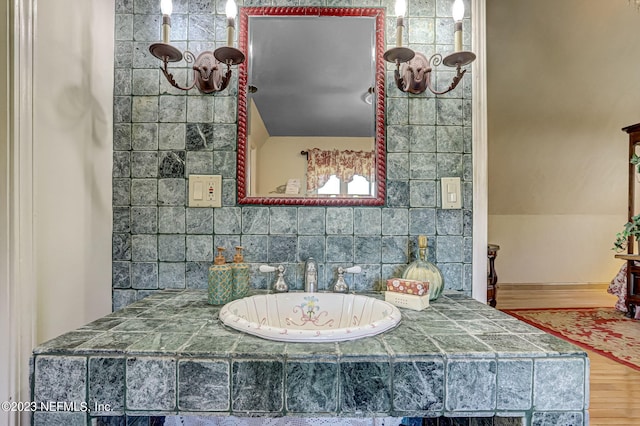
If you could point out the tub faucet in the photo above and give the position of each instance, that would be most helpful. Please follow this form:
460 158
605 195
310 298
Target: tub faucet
311 275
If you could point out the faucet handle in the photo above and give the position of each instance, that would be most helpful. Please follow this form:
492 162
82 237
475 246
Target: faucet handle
280 286
353 270
267 268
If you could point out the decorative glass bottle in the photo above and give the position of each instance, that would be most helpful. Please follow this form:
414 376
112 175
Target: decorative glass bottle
423 270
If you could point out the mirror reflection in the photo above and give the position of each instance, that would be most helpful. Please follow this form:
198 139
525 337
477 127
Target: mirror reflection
312 91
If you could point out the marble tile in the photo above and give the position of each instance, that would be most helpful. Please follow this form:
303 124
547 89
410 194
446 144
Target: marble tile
267 376
311 246
508 344
395 221
199 136
172 108
171 220
367 221
568 392
205 346
449 248
199 220
171 192
203 385
151 384
171 248
339 248
171 275
422 111
282 248
459 373
543 419
111 341
196 274
418 386
398 193
121 164
255 220
60 378
283 220
422 165
227 220
144 192
422 193
224 137
422 221
121 219
224 163
144 220
395 250
106 382
312 387
200 248
172 164
199 109
514 384
199 162
171 136
159 342
144 275
59 419
397 138
67 341
398 166
144 109
365 387
121 246
144 248
449 164
144 164
121 274
339 220
122 135
367 249
145 82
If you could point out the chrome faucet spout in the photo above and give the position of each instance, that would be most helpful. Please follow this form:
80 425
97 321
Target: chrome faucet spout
311 275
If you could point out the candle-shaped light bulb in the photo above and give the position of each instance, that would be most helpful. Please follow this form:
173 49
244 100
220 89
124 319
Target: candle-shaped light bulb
458 14
401 9
166 7
231 10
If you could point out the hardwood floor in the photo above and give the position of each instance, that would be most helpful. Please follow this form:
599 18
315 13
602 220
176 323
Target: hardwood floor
615 388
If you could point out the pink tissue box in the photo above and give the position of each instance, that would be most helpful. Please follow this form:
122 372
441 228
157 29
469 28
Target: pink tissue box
401 285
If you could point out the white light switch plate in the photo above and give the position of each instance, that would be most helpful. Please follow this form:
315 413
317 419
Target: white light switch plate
451 194
205 191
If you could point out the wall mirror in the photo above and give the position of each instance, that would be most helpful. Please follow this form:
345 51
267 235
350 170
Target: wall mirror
311 106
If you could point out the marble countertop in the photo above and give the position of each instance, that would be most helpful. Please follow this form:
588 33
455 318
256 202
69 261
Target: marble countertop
170 354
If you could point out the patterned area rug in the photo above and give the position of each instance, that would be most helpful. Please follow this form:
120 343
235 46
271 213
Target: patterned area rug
602 330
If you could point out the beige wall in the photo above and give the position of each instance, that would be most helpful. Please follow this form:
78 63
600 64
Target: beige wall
563 79
73 89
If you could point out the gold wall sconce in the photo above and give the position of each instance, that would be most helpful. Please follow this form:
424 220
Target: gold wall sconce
208 73
413 69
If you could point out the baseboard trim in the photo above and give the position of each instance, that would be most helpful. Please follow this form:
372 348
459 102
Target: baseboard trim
553 295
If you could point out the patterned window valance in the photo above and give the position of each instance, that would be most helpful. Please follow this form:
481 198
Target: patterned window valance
344 164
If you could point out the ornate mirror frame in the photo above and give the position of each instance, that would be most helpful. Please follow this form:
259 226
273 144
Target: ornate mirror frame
379 146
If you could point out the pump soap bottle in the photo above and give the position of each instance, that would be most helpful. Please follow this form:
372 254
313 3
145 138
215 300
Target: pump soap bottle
240 275
220 280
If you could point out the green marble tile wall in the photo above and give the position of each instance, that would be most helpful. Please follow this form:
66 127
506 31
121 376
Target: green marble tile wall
162 135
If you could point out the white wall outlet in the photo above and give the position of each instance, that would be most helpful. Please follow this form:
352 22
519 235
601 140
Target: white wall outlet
451 194
205 191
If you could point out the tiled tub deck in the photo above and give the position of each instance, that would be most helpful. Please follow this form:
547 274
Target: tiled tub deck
169 354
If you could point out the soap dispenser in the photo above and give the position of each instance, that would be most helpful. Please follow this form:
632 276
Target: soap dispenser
240 270
220 280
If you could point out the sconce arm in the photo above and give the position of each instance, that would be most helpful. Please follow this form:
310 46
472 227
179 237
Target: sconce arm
172 81
456 79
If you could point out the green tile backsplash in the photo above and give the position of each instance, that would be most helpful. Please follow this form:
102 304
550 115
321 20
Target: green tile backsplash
161 135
